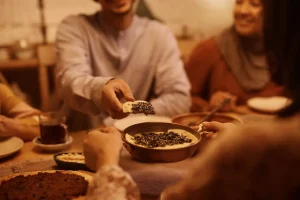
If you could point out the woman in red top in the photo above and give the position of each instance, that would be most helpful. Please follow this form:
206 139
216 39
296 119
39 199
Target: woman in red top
232 64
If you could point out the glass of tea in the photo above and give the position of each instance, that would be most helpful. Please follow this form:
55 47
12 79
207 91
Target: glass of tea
53 128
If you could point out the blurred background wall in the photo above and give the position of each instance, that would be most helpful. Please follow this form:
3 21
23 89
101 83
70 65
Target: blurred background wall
20 19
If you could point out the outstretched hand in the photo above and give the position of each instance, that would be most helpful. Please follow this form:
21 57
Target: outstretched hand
113 92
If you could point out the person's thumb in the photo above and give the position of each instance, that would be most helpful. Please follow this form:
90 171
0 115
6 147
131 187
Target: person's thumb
212 126
127 94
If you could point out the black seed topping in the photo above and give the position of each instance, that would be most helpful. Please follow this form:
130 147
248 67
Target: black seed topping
152 140
143 107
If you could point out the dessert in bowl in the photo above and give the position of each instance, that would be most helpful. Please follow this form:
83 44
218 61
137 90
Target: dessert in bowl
160 141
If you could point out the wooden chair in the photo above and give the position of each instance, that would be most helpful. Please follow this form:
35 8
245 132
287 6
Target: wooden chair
47 58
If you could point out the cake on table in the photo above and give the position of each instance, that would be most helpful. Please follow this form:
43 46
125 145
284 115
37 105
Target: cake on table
52 185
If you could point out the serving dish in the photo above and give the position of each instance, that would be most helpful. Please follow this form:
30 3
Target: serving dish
146 154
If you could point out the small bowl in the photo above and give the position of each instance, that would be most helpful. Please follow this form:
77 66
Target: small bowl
151 155
70 165
191 119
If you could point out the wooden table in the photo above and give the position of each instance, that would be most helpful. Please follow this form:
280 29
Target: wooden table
152 178
30 151
145 174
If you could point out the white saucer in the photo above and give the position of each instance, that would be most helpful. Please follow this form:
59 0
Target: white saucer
268 104
52 147
10 145
139 118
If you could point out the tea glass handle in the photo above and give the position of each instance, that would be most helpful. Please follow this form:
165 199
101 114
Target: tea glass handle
65 127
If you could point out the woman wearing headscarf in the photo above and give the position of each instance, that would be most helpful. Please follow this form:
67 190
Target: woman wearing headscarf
232 64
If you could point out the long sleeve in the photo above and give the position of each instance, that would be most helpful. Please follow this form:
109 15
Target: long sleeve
172 87
198 69
17 118
110 183
74 76
7 100
12 106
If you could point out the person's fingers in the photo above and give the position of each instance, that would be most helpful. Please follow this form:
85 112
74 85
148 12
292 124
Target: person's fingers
112 100
210 135
126 91
212 126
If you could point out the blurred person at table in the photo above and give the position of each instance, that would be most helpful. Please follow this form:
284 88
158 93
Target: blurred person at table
252 161
17 118
114 56
233 64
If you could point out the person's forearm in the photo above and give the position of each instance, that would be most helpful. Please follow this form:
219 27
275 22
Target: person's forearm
17 127
22 110
82 93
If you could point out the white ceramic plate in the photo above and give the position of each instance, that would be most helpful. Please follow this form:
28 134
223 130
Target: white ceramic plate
136 119
10 145
52 147
268 104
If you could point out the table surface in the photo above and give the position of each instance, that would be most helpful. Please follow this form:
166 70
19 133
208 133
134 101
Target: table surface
152 178
30 151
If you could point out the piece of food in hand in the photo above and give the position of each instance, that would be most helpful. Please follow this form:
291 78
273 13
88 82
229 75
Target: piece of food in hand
136 107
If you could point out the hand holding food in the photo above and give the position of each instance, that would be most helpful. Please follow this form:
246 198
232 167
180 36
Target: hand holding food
113 92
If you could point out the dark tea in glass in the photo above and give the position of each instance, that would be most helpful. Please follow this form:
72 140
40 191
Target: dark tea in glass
53 129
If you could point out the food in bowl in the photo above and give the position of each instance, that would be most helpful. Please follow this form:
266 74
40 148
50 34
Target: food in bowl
70 161
137 107
71 157
171 139
165 154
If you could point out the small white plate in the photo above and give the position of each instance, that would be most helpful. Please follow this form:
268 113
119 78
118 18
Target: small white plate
139 118
52 147
268 104
10 145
